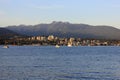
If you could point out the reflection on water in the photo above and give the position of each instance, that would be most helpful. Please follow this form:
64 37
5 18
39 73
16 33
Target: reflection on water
64 63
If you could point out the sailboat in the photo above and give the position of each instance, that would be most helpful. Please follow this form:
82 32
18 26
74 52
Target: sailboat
5 46
57 46
69 45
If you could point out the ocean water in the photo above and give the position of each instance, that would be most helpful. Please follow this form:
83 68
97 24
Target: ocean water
64 63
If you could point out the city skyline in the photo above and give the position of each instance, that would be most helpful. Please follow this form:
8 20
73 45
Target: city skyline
31 12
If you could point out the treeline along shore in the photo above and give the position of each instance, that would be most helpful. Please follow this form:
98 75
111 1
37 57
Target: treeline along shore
53 40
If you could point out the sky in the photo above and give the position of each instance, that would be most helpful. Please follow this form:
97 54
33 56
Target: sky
31 12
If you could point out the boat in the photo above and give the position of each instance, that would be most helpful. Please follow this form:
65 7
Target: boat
69 45
57 46
5 46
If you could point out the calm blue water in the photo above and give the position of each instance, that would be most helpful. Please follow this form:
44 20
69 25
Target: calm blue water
64 63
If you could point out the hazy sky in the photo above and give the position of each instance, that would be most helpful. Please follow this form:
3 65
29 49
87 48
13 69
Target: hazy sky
94 12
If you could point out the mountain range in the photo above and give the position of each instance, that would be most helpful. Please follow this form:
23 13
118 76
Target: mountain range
66 29
6 34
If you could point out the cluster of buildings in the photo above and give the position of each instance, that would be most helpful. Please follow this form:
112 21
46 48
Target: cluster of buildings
53 40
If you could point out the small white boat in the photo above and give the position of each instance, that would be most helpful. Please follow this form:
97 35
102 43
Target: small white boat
69 45
5 46
57 46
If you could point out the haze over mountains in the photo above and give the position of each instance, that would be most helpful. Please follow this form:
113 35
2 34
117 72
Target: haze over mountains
66 29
